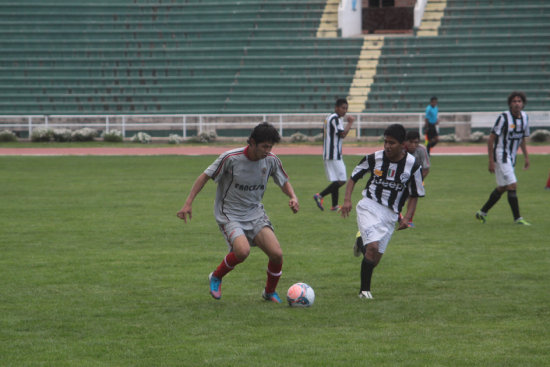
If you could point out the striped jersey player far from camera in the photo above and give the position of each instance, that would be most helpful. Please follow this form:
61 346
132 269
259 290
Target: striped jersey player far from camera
332 146
509 136
388 182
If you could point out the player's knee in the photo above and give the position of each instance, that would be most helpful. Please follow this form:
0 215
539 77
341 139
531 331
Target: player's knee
371 252
242 252
276 256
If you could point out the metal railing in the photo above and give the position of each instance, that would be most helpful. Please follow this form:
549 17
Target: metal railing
188 124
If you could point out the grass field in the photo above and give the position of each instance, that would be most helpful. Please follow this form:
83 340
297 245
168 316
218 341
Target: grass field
96 270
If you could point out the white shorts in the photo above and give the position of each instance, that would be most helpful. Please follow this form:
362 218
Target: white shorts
335 170
250 229
376 223
504 173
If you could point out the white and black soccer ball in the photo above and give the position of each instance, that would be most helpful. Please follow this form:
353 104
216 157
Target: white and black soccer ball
300 295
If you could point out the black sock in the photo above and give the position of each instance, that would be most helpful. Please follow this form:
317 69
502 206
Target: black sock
328 189
331 189
514 203
335 193
367 268
493 198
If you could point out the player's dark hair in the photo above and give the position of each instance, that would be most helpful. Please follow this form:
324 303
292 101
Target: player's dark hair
341 101
433 98
264 132
396 131
517 94
412 134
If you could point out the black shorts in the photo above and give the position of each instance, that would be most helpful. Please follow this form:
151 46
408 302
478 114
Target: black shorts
431 132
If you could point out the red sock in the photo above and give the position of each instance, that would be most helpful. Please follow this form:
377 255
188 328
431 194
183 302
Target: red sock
273 275
548 182
227 264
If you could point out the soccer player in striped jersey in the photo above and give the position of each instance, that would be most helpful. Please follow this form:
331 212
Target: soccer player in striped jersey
333 134
507 136
242 175
395 177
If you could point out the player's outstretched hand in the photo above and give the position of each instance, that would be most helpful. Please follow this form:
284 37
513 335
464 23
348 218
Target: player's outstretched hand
294 206
491 166
403 224
345 209
182 214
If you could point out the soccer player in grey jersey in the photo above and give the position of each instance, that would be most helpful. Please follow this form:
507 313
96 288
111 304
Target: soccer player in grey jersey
395 177
508 134
242 175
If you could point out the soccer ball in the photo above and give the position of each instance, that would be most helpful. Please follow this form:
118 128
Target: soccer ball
300 295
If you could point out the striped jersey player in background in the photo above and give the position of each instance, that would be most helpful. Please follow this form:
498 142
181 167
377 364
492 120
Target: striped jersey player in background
395 177
242 175
507 136
333 134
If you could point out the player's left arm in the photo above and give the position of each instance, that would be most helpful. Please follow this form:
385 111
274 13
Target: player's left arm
405 219
350 120
293 202
425 172
425 163
523 147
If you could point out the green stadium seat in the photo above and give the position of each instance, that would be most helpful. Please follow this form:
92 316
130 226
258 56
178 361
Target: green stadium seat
256 56
484 50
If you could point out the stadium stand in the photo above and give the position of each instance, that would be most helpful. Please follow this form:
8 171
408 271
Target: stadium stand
209 56
471 58
257 56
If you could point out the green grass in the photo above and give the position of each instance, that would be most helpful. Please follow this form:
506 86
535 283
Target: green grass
96 270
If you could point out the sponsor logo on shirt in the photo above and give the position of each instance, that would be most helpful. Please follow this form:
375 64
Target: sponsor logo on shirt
515 135
397 186
249 187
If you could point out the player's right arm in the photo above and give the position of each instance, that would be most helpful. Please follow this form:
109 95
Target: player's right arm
490 144
346 208
197 187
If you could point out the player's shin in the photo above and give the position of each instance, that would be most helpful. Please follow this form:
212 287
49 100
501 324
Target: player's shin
274 272
493 198
514 204
367 267
227 264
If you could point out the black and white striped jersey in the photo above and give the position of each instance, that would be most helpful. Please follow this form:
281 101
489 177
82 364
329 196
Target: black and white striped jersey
509 132
390 183
332 140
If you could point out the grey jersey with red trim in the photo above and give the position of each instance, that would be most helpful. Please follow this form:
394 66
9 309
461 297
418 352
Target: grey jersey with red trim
242 183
